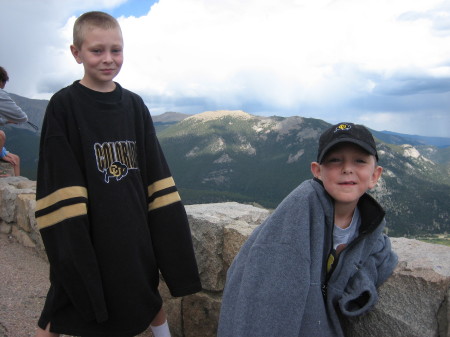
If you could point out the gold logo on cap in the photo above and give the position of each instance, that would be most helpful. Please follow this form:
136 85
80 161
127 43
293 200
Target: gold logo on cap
343 127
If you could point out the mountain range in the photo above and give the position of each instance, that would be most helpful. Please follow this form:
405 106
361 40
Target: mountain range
221 156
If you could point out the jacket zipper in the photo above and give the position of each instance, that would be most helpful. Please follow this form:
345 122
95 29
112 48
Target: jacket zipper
362 235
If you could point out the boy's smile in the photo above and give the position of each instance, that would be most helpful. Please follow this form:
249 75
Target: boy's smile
102 56
347 172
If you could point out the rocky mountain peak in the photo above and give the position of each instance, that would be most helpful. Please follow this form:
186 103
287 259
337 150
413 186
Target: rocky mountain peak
168 117
219 114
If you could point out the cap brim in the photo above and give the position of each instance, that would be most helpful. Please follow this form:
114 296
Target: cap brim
363 145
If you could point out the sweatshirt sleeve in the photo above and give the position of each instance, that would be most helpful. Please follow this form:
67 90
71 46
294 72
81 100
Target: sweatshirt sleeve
10 111
168 222
361 295
62 218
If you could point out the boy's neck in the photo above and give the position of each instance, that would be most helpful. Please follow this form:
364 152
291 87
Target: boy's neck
343 215
103 87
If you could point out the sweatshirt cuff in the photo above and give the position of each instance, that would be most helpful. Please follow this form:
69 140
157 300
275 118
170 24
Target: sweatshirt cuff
188 290
358 303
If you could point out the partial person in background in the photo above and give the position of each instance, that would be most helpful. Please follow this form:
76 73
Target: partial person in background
10 112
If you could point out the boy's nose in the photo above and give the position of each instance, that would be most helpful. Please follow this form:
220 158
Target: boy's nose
108 58
347 168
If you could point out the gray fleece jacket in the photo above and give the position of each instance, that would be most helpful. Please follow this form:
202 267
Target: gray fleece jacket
278 285
9 110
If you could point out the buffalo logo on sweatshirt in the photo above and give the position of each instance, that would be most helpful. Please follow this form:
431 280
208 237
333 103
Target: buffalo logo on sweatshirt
115 159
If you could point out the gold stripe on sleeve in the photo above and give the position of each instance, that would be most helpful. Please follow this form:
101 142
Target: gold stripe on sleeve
61 194
61 214
160 185
164 201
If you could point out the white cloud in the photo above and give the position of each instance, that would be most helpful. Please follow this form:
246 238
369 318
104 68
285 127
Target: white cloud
320 59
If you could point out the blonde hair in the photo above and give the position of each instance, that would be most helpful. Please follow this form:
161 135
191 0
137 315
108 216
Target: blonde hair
90 20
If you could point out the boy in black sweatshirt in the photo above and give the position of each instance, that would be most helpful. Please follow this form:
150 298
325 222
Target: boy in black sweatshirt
107 206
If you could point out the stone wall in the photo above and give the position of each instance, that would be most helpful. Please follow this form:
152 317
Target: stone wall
6 169
414 302
17 204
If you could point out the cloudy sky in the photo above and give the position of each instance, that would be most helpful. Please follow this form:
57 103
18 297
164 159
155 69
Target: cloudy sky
383 63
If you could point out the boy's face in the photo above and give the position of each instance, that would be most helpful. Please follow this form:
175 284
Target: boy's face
347 172
101 55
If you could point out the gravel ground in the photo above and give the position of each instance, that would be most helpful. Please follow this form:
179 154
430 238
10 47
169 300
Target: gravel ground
23 287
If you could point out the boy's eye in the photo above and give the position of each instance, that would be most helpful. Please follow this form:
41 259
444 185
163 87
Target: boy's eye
96 51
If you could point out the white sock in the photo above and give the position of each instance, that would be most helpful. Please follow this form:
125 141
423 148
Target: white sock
161 330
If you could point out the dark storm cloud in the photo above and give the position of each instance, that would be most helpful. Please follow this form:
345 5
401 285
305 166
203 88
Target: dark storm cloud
413 85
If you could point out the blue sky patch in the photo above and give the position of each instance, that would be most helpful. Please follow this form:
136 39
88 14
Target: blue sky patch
136 8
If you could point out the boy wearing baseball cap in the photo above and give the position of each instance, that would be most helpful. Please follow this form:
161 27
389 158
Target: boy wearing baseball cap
321 255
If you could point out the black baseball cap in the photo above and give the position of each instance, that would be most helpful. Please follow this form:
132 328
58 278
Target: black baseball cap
346 133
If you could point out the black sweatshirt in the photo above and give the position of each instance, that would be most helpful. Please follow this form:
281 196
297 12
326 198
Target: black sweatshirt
109 214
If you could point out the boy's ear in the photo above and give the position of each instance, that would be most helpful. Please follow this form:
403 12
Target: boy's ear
315 169
76 53
375 176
